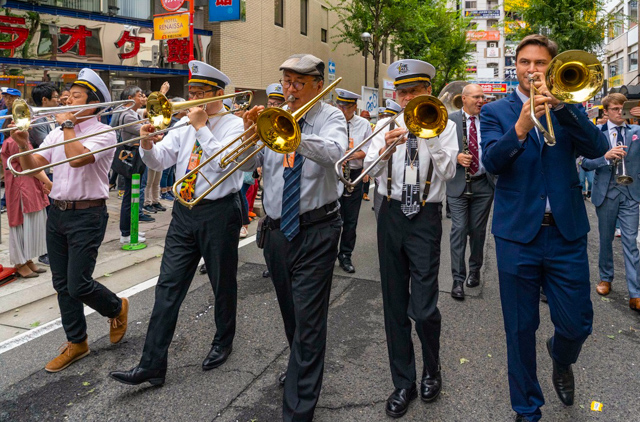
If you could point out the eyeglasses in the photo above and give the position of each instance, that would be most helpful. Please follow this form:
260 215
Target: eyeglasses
274 103
615 109
198 94
297 85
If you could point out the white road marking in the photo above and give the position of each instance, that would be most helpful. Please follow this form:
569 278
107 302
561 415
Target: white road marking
43 329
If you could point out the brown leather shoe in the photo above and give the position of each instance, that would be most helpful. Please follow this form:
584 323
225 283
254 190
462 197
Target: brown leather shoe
119 324
603 288
69 353
634 303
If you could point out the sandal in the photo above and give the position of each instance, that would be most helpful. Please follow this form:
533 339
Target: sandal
33 267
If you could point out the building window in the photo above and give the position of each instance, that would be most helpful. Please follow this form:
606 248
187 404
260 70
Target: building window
615 67
279 16
492 24
470 4
304 12
633 13
617 28
324 24
633 61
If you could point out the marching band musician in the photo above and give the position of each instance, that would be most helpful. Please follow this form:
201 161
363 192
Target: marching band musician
358 129
301 199
540 226
78 218
275 97
469 214
193 233
409 234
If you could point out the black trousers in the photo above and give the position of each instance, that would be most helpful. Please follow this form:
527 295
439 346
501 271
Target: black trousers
301 271
125 208
73 240
409 253
349 211
210 230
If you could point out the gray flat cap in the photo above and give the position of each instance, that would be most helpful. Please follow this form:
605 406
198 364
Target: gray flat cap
304 64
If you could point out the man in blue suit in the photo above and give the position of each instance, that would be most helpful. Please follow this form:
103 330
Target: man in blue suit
540 226
615 201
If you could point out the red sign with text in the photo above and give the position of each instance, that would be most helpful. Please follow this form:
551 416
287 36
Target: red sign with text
172 5
489 88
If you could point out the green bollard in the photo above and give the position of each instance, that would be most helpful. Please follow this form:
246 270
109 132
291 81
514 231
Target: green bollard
135 210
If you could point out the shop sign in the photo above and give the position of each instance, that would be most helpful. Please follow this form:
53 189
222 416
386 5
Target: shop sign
388 84
474 36
482 14
493 52
224 10
178 50
370 99
510 74
615 81
169 27
494 88
172 5
388 94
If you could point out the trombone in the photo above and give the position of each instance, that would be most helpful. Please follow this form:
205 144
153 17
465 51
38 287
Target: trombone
23 114
159 109
425 116
278 130
573 77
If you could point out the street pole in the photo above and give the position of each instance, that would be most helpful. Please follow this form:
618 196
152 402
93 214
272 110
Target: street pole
366 56
191 10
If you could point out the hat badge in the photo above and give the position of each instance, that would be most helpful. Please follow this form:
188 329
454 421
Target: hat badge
81 74
194 68
279 88
402 68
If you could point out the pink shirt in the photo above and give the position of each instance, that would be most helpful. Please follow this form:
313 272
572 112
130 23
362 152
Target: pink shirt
86 182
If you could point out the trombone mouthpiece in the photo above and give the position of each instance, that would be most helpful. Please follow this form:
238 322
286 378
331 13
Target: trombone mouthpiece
290 99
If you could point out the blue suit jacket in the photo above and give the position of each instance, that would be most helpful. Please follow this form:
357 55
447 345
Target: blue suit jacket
531 171
603 169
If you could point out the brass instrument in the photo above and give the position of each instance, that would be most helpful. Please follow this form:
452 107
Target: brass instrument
572 77
159 110
23 114
425 116
451 97
346 169
622 177
277 129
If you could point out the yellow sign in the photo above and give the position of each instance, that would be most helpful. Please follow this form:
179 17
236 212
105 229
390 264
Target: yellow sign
172 26
615 81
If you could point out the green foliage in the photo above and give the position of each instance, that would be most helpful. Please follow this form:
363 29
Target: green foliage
572 24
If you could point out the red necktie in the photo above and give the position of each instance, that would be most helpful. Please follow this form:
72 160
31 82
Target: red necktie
473 146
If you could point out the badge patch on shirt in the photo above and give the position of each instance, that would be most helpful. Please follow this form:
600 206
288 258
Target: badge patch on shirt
411 175
288 160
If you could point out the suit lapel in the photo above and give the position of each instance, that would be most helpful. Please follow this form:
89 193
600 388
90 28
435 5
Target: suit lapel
516 106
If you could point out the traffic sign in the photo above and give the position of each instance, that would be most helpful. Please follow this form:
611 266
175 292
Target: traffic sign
332 67
172 5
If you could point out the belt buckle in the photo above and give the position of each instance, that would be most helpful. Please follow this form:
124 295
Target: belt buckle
62 205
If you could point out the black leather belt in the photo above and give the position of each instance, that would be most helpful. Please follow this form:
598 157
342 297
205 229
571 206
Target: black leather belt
78 205
309 218
482 176
548 220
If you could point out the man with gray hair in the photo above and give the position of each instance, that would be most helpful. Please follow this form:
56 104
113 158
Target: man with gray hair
469 194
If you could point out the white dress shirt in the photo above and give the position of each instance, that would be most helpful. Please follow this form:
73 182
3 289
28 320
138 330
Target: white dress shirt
358 129
323 142
481 169
442 150
613 133
177 145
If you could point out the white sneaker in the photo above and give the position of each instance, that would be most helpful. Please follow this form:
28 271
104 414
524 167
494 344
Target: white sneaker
127 239
618 234
244 232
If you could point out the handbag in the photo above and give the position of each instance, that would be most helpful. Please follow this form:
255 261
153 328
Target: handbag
127 160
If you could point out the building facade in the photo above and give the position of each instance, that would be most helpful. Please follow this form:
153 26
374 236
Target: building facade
621 44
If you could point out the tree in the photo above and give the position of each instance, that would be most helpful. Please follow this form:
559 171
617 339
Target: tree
572 24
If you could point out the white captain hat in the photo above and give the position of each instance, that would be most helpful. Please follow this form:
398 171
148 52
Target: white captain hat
275 91
203 74
392 107
381 111
410 71
347 97
228 103
90 79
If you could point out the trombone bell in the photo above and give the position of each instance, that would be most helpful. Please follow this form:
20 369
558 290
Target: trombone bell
574 76
278 130
426 116
21 114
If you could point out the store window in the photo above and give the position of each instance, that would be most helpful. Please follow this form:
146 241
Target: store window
304 14
279 13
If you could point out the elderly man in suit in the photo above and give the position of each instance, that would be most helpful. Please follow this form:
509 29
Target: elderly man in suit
614 200
470 206
540 226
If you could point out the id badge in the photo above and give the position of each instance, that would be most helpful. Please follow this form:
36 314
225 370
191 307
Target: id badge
411 175
288 160
350 143
194 160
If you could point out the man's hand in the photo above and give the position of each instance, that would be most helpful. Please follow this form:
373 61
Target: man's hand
616 153
464 159
540 84
63 117
365 179
21 137
148 141
198 117
47 186
165 88
249 118
397 134
524 123
635 112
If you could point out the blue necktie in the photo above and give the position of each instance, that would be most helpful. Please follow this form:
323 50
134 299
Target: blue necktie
620 140
290 216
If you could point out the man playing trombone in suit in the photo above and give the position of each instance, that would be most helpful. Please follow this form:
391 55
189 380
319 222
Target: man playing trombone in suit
78 218
210 230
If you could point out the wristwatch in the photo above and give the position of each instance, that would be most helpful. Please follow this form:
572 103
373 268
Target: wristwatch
67 124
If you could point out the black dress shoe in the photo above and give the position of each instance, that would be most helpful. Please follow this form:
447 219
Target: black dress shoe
520 418
457 292
398 401
345 264
266 274
282 378
473 279
216 357
562 379
430 385
138 375
203 269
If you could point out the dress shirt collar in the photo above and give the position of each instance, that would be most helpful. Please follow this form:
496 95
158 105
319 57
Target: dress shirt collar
310 116
85 125
611 125
468 116
524 98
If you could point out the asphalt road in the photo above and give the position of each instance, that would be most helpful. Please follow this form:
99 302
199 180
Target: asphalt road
357 379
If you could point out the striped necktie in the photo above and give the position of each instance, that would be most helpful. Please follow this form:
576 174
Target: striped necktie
290 216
